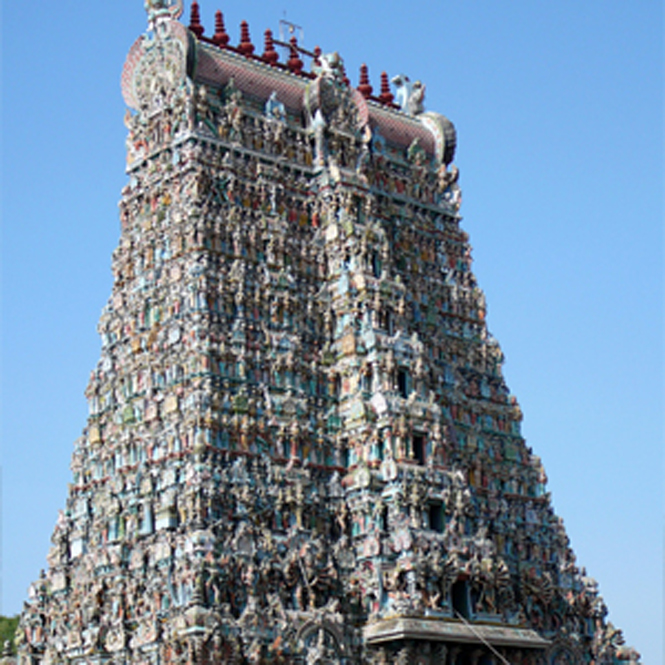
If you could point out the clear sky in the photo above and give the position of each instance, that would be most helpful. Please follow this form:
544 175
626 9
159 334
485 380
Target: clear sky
559 112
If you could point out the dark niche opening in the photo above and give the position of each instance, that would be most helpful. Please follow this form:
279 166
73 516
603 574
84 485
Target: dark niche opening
436 517
460 598
403 383
419 448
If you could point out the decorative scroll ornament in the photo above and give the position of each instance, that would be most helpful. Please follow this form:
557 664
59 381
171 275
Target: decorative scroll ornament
320 645
158 67
444 134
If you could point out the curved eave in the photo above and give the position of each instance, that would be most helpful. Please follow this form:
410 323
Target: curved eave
400 129
403 628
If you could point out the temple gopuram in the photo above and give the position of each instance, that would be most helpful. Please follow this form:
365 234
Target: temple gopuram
300 445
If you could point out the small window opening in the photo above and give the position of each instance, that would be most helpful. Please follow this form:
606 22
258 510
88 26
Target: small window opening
337 386
384 519
403 383
367 380
419 448
346 457
376 265
386 320
460 598
436 517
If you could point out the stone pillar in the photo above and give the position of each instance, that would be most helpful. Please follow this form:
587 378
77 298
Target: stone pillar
475 656
440 654
453 655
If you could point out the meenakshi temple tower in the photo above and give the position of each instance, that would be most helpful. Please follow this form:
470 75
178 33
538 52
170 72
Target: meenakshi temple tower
300 447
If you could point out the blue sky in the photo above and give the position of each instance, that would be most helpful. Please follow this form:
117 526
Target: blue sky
559 112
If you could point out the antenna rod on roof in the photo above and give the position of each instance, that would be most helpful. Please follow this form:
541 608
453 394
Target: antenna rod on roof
288 29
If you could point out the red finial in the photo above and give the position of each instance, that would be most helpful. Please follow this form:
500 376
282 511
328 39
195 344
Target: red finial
195 20
269 54
386 97
317 56
364 88
294 63
345 78
245 47
220 37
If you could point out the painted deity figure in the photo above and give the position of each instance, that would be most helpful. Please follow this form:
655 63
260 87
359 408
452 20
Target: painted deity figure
331 66
410 96
274 109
